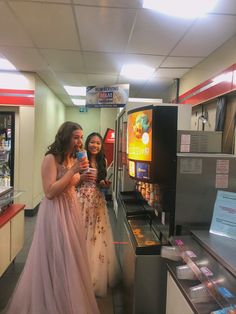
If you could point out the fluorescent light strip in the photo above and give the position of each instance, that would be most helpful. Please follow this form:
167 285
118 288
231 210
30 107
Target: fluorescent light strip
75 90
79 102
188 9
137 71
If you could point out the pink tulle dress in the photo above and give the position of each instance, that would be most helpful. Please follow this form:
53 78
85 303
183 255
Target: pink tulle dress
56 277
103 262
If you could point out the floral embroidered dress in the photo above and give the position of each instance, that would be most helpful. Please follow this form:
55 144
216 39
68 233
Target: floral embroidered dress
100 247
56 277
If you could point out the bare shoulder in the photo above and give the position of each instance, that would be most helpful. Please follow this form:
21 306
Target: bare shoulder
49 160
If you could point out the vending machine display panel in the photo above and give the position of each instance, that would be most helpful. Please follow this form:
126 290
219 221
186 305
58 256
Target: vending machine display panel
140 135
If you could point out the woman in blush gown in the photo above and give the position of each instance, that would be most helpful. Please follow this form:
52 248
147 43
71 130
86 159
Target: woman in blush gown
100 247
56 277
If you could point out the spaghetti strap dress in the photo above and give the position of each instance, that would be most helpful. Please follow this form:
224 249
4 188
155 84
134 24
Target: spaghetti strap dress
56 277
103 261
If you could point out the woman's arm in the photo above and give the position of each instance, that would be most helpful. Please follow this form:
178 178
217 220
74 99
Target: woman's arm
105 184
51 186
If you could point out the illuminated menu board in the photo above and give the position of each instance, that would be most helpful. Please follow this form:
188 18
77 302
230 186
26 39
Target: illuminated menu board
140 135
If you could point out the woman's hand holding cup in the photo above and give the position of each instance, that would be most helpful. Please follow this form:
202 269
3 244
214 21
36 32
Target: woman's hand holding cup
83 160
83 164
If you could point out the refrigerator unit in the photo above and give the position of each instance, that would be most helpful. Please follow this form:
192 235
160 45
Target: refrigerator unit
7 132
7 125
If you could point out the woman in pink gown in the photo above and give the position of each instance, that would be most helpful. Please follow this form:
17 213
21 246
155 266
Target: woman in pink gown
100 247
56 277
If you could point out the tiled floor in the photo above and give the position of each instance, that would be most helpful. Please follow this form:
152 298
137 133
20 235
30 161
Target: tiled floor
112 304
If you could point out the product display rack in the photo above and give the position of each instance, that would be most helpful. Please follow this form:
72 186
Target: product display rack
214 272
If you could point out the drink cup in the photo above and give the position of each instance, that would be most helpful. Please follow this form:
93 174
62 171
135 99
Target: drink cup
82 154
93 171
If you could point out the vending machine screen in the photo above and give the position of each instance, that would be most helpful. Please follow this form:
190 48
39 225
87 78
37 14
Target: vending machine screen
140 135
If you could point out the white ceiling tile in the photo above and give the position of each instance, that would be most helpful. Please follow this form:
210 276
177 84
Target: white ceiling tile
102 62
206 35
112 32
225 7
74 79
109 30
170 73
50 25
181 62
100 80
155 33
11 32
147 60
154 87
64 60
24 59
48 77
112 63
112 3
58 1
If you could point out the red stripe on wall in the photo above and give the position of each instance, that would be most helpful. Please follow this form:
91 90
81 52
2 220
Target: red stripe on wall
16 97
17 91
219 85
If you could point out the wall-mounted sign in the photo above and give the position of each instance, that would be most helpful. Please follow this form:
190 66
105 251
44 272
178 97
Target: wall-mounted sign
112 96
109 137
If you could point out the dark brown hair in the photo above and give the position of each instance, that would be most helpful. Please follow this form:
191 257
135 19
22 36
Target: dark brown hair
62 140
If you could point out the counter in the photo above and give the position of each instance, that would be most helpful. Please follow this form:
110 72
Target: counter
11 234
11 211
144 270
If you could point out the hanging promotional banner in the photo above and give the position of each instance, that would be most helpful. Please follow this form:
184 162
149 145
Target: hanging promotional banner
112 96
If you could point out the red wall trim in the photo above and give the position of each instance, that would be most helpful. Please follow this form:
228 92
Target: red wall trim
221 84
16 97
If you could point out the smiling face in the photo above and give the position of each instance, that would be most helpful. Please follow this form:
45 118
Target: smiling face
94 145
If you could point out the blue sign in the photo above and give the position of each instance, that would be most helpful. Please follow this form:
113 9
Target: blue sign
142 170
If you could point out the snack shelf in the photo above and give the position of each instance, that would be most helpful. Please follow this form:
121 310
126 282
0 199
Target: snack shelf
211 283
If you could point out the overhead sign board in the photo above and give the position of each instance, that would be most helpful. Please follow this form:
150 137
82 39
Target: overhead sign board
113 96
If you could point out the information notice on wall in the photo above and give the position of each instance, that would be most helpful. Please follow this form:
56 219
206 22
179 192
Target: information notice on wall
224 215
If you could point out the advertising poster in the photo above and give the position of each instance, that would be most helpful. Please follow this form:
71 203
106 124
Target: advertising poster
113 96
140 135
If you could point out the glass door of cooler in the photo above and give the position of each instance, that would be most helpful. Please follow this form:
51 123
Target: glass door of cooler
7 131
